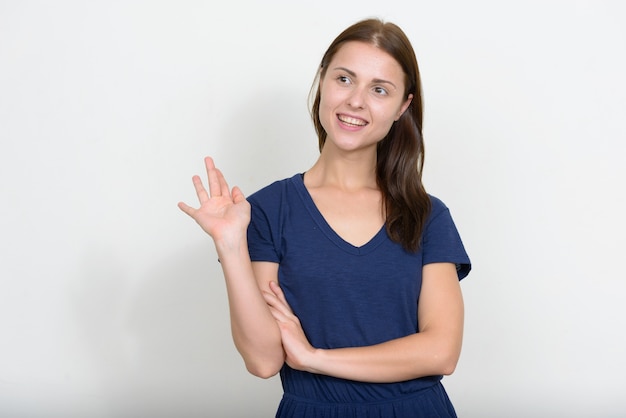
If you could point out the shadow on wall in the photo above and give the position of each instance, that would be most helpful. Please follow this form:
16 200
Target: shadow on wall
163 347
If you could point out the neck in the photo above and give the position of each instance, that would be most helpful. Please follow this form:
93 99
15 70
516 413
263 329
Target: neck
344 171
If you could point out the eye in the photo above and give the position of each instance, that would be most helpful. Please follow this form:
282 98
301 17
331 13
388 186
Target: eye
380 91
342 79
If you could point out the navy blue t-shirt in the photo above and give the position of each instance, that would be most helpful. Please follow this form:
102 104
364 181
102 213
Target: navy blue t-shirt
346 296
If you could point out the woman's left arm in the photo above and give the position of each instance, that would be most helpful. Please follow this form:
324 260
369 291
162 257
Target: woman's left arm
434 350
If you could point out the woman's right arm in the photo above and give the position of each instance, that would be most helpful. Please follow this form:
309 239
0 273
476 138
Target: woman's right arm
225 216
254 329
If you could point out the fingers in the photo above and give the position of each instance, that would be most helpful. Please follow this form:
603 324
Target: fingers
279 293
215 178
214 183
278 315
218 187
203 196
272 300
278 304
224 190
280 310
187 209
209 164
217 183
238 195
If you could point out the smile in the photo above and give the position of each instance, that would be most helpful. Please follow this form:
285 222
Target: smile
351 121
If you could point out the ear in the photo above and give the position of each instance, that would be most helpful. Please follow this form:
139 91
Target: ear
404 106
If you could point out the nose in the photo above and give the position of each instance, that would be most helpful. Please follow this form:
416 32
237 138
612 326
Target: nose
357 98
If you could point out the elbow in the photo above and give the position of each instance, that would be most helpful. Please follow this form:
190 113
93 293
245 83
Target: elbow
262 363
263 373
263 370
445 362
448 367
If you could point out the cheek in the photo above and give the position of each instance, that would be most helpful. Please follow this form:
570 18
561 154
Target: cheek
324 114
386 114
397 111
329 98
328 106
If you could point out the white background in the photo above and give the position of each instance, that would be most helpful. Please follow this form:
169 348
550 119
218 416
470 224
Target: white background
112 302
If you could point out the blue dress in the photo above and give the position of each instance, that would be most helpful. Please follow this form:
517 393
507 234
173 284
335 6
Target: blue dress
347 296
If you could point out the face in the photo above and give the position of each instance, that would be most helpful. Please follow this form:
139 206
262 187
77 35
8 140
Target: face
361 95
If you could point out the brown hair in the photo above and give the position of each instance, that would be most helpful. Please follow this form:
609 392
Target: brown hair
400 154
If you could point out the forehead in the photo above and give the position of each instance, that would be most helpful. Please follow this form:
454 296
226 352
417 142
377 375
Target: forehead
367 59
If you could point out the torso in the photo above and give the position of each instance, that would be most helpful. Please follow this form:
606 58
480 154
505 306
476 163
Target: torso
356 216
346 296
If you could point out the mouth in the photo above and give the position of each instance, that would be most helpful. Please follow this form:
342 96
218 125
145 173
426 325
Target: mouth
350 121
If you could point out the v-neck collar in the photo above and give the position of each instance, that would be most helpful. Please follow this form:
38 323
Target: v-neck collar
325 227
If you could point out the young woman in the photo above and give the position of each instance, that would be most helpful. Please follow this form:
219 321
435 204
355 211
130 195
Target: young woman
346 278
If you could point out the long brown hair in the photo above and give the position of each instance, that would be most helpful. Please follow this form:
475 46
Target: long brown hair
400 154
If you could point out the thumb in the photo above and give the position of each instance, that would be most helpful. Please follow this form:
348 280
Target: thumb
237 195
186 208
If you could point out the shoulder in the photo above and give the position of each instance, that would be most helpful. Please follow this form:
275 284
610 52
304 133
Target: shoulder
274 191
274 199
439 225
442 241
271 207
437 207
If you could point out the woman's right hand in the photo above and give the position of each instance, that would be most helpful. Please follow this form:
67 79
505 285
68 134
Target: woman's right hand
223 214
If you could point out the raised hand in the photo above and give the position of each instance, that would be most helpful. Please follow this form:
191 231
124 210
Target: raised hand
298 351
223 214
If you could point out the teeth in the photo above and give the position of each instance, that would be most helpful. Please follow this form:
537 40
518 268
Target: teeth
352 121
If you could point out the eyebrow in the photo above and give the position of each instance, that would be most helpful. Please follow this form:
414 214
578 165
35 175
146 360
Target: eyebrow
376 80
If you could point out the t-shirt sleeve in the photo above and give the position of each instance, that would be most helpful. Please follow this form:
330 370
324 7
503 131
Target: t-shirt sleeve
262 231
442 242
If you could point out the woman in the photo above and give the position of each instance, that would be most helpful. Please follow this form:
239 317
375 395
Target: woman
346 278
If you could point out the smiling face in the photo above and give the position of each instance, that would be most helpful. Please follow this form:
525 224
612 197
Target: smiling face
361 95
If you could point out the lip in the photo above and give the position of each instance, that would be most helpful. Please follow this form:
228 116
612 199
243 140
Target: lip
351 122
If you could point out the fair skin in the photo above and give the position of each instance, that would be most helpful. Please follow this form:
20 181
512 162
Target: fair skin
360 100
225 214
362 94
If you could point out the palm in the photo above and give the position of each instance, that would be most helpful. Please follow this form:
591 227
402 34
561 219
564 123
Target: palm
222 213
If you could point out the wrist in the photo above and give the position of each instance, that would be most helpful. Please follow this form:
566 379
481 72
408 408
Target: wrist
231 242
231 248
315 361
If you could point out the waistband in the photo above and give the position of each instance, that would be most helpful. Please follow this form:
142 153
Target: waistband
363 402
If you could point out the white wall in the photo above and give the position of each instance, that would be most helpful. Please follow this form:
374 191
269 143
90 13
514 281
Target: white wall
111 300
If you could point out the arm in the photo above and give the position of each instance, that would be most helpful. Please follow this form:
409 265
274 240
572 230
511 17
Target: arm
254 330
434 350
225 216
